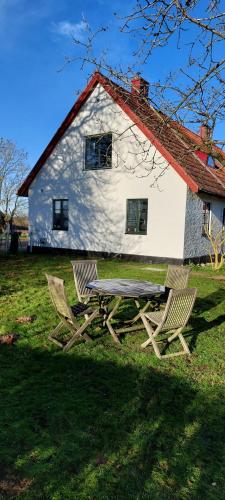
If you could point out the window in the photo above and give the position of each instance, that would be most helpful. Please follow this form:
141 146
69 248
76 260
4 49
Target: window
205 218
60 214
98 152
137 212
211 162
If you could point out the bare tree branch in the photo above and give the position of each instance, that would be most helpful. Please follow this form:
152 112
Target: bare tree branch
13 169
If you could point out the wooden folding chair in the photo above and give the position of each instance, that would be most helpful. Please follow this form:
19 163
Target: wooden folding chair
171 320
84 271
68 315
177 277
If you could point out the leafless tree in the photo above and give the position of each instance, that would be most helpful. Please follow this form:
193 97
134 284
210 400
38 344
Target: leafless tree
13 170
197 27
192 94
216 238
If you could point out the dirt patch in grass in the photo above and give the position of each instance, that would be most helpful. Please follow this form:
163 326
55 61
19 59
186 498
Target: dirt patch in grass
11 484
220 277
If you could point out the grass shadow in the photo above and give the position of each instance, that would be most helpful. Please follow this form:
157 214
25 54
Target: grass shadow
75 426
210 301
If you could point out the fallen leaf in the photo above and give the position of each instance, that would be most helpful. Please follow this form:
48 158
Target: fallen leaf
10 338
25 319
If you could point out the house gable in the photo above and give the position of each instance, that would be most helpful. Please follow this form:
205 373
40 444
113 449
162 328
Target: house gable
97 199
188 165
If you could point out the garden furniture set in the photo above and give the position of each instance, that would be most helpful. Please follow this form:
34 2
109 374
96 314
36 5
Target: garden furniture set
160 308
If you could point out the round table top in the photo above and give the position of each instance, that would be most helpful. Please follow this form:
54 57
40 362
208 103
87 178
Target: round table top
125 287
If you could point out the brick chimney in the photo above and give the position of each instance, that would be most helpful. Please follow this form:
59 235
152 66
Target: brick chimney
205 132
139 86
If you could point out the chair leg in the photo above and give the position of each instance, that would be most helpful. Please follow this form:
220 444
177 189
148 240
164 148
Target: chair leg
140 311
174 335
52 335
186 350
152 334
184 344
109 318
80 331
151 339
178 334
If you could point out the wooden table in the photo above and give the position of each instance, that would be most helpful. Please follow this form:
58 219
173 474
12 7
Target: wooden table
121 289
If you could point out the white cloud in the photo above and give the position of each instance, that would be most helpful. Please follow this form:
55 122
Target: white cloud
66 28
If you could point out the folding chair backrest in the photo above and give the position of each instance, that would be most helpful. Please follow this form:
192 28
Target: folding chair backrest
177 277
84 271
178 308
58 296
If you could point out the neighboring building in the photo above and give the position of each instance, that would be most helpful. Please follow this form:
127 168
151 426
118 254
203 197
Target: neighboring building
20 224
91 190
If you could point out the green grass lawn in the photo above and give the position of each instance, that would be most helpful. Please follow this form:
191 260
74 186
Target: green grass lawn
107 421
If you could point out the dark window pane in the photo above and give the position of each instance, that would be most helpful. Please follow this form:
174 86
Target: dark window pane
57 205
65 204
142 214
137 212
57 221
98 152
60 214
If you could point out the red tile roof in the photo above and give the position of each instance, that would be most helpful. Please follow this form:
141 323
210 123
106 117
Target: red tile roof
178 145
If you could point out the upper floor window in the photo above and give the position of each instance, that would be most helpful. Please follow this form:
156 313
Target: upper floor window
205 218
137 214
211 162
98 152
60 214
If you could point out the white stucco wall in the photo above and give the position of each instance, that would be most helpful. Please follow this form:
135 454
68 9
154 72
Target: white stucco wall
97 199
196 245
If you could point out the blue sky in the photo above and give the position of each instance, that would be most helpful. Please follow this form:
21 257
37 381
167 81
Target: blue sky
35 36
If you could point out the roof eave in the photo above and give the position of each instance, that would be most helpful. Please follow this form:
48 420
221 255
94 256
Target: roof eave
212 193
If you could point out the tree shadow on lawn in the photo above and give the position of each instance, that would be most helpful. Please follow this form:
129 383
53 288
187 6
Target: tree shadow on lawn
212 300
201 326
79 427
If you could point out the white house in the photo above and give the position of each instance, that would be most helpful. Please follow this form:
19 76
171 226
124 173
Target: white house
117 178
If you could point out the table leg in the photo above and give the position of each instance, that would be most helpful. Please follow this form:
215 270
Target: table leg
109 319
138 316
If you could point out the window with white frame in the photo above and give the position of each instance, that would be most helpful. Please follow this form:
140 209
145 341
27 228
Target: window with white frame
98 152
137 214
205 218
